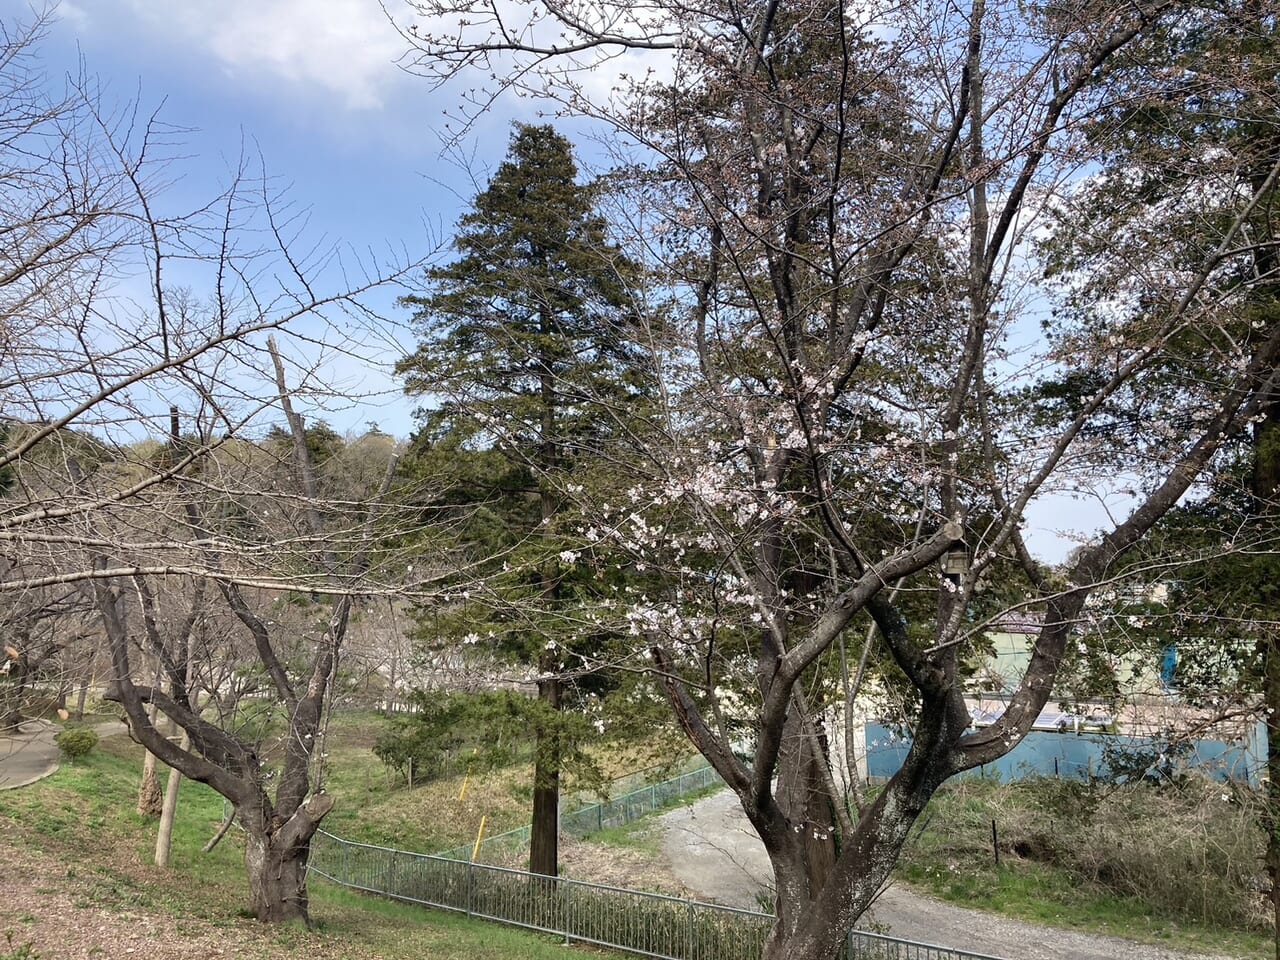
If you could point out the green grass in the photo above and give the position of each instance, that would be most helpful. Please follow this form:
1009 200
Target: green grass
435 934
638 835
89 806
16 949
377 808
1093 864
429 818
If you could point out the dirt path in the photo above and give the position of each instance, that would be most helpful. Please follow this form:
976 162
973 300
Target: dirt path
714 852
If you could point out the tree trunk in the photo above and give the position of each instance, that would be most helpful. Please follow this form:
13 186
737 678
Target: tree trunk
791 900
815 927
10 717
81 697
275 858
169 812
11 706
803 800
149 798
1265 483
544 834
806 943
391 686
277 878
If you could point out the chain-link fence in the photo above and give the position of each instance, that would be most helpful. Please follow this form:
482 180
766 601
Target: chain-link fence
637 803
643 923
594 817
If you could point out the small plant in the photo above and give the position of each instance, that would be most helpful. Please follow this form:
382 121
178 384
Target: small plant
24 951
76 742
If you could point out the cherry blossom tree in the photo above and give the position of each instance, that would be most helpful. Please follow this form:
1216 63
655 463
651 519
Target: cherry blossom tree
867 376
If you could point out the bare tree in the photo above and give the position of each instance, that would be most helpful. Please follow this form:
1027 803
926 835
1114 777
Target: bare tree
135 481
48 633
866 376
279 823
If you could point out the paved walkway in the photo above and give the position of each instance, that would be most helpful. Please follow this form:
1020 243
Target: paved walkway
31 754
714 852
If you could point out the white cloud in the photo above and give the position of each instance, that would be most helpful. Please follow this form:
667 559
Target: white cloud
343 48
73 13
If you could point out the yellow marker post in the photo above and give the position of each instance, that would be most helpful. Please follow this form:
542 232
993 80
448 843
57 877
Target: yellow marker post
475 851
467 779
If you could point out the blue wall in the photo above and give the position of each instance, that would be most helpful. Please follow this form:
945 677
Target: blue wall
1078 755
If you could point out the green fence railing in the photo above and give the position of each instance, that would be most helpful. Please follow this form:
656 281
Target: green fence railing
638 802
645 923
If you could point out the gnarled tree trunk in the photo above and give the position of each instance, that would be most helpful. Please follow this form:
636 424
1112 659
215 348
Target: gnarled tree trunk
150 797
803 798
275 858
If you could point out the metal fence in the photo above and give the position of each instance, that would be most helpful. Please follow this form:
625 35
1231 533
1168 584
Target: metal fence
642 778
636 804
645 923
594 817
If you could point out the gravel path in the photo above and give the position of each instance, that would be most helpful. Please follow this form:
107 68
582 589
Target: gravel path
30 754
714 852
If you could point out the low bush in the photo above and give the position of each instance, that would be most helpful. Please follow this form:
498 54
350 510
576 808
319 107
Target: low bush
76 742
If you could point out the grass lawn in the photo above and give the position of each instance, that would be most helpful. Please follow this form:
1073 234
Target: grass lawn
378 808
83 847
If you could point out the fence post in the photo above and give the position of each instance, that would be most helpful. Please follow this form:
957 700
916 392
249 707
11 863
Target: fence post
346 877
470 884
568 894
653 796
688 930
599 817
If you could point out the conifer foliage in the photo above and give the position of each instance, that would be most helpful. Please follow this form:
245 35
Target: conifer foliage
527 324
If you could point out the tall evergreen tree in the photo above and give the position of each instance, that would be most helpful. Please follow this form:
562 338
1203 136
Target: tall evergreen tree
517 334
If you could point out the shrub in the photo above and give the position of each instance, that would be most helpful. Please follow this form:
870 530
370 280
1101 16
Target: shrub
76 742
1189 850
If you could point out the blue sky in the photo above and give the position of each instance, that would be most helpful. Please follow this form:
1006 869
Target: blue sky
314 87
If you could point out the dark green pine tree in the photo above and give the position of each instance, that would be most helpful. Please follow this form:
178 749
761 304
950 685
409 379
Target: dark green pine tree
524 341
